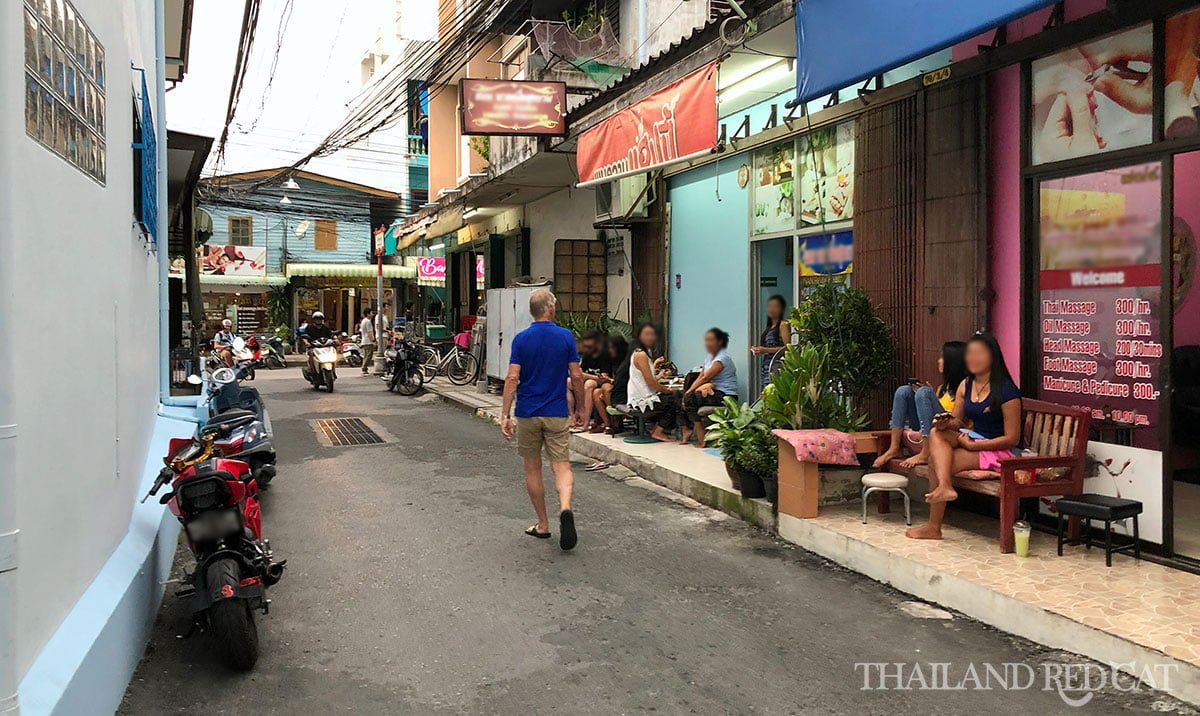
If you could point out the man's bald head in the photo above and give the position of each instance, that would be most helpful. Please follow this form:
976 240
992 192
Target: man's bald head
541 305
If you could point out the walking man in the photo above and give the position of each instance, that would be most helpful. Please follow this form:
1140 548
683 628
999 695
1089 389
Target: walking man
366 331
543 357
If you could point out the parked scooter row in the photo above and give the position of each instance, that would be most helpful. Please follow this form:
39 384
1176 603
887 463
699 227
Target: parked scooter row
402 368
215 478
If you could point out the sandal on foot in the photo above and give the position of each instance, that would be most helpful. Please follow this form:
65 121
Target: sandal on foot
532 532
567 537
597 466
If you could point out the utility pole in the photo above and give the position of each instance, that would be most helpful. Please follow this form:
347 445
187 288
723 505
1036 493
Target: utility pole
379 361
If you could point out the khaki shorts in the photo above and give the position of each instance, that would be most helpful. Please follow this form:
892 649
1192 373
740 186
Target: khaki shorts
552 433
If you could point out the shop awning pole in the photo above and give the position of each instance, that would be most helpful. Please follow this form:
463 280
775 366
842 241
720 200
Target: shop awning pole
379 362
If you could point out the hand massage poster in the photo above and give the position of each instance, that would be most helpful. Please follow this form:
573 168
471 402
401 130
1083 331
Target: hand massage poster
773 193
825 158
1181 94
1095 97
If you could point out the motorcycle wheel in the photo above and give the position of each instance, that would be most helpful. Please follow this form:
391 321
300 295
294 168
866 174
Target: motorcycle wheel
329 384
353 361
232 623
462 369
411 384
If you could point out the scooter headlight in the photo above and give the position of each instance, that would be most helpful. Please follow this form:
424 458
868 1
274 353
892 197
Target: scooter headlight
251 436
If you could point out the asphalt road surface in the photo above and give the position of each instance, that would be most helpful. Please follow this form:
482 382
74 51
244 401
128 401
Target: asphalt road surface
412 590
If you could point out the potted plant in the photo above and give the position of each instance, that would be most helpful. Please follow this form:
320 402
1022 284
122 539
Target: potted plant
760 460
857 344
732 429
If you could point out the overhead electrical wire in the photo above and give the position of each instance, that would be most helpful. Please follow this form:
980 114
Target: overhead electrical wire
245 45
284 17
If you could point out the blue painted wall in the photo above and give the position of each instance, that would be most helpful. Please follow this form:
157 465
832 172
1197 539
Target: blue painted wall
710 251
312 201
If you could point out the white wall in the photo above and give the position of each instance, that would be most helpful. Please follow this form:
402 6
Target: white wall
565 214
666 22
86 404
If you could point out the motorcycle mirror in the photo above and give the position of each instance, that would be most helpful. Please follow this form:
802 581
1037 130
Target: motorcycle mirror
239 343
223 376
194 379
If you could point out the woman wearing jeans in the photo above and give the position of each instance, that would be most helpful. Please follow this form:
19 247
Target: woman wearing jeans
915 404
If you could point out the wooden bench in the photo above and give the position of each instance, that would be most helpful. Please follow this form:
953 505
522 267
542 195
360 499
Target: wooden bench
1058 434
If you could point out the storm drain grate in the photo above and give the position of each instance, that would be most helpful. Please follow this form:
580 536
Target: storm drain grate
341 432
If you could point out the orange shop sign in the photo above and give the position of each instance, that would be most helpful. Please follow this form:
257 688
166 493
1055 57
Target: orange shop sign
513 107
676 123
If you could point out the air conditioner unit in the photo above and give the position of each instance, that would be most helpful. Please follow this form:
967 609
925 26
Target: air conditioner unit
615 199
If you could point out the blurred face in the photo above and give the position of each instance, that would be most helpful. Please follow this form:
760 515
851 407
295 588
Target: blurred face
774 310
589 346
648 337
711 344
226 325
941 365
978 358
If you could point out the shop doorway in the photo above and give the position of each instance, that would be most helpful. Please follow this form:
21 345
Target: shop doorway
773 263
1185 362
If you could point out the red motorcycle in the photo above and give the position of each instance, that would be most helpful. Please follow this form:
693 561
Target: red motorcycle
214 500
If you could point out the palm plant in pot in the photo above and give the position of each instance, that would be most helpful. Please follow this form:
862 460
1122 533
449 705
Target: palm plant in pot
737 429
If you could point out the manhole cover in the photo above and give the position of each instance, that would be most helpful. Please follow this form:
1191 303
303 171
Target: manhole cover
341 432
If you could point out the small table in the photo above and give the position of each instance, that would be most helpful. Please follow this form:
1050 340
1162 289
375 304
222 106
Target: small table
1100 507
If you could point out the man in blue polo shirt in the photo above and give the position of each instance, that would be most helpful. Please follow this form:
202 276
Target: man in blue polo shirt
542 358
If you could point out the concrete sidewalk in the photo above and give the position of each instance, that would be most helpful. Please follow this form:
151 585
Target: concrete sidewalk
1141 615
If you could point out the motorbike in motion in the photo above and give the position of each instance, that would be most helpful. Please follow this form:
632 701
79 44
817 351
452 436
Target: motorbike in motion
402 368
272 352
214 499
321 369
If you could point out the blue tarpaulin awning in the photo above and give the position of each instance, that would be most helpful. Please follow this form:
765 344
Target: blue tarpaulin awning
841 42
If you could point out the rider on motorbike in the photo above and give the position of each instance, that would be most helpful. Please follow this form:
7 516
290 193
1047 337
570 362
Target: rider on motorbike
317 331
223 342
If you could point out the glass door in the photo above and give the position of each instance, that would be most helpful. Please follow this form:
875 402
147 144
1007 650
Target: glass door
773 268
1185 363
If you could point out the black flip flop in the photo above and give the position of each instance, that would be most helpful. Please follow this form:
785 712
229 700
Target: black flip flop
532 532
567 537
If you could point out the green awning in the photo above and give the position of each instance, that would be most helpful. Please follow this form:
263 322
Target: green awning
215 280
350 270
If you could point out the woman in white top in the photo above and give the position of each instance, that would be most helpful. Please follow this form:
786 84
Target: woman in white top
645 392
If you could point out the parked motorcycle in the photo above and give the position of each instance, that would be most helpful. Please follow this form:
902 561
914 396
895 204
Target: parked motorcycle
215 502
272 352
402 368
323 355
351 351
250 438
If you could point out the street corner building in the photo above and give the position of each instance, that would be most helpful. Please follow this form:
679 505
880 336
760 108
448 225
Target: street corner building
87 200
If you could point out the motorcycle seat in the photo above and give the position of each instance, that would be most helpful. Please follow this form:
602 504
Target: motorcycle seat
234 414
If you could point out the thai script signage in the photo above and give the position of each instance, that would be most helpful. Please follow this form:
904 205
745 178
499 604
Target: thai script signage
513 107
676 123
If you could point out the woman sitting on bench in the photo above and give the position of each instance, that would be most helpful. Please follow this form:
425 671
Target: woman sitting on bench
984 427
646 394
915 404
614 392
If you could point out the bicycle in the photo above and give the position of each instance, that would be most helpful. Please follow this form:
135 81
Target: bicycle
459 366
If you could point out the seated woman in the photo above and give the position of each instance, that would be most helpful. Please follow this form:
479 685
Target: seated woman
984 427
915 404
615 391
645 393
717 379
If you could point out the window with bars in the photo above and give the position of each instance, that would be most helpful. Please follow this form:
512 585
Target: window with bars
64 85
580 275
326 236
241 230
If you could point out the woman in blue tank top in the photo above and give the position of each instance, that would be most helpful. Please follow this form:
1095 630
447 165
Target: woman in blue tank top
984 427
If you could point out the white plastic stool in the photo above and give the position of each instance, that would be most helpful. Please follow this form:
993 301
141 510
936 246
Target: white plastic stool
885 482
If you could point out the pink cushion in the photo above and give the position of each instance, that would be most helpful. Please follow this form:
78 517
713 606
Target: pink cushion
827 447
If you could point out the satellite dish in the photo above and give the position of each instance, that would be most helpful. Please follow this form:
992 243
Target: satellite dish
302 228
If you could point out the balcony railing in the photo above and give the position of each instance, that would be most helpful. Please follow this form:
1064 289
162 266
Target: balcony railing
417 145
